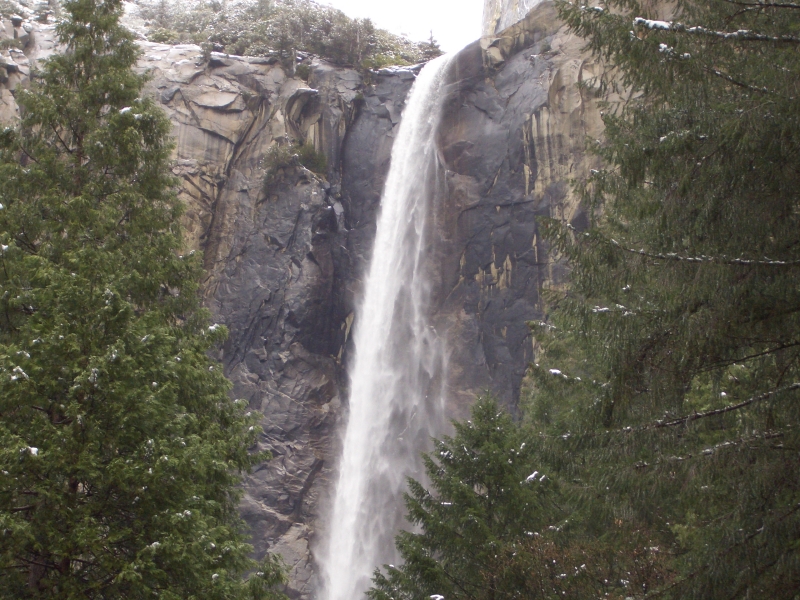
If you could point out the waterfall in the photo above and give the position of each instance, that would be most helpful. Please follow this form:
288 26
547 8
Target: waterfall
397 375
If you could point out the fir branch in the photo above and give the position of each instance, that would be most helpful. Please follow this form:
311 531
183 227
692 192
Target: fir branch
60 139
738 544
30 561
720 260
456 582
762 5
27 153
719 411
770 435
561 375
736 82
727 363
744 35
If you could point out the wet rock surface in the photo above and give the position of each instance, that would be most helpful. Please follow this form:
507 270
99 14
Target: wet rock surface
513 136
279 262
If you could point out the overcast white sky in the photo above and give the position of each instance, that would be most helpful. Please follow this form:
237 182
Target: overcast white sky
455 23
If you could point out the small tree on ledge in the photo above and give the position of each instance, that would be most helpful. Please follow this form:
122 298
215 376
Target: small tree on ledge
430 49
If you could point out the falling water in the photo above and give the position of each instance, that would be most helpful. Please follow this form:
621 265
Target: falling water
398 371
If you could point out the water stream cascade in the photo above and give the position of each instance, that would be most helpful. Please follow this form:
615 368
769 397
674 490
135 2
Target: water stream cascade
398 372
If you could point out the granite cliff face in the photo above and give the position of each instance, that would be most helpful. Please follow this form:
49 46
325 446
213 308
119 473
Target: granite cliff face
499 15
513 138
285 263
25 38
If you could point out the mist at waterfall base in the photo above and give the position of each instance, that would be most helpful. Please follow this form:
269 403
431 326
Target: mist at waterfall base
398 373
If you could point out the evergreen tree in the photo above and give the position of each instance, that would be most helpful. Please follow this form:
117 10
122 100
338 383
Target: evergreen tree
494 527
674 400
430 49
119 447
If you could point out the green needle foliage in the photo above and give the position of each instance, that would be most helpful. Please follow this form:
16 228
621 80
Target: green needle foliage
479 508
494 527
119 446
677 346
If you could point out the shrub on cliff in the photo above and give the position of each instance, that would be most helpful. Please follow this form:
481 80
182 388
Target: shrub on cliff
280 157
284 28
119 446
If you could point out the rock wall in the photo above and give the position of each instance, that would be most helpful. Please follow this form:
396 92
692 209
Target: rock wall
285 262
269 255
499 15
26 37
513 138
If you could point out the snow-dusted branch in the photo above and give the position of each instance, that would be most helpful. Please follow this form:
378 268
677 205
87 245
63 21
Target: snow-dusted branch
720 260
744 35
769 435
738 83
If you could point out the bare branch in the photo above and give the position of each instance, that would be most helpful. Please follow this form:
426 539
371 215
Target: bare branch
60 139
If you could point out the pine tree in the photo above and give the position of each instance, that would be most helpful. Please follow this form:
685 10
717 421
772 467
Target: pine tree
679 398
481 499
119 446
430 49
494 527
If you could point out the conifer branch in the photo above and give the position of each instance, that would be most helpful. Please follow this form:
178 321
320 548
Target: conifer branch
60 139
738 544
760 5
28 154
736 82
727 363
720 260
720 411
742 34
770 435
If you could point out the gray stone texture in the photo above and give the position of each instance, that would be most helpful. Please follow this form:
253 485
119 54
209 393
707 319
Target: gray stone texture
502 14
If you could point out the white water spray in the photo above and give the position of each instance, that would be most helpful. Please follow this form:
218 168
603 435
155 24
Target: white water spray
398 372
